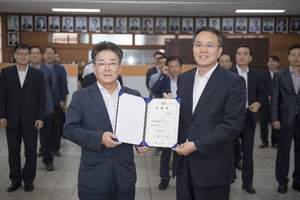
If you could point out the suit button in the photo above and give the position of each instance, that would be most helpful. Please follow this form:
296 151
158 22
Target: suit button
114 157
191 127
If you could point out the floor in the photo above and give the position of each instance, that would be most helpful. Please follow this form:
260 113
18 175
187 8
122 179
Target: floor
61 183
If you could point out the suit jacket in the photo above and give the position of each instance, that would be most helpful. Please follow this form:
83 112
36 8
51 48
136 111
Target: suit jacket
26 104
255 90
27 26
86 121
61 90
151 71
218 119
49 76
90 79
107 28
54 26
134 28
161 85
284 100
267 82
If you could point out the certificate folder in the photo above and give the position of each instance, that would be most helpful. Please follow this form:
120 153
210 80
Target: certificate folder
146 121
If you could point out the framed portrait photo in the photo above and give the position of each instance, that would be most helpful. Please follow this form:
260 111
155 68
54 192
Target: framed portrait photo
54 23
160 24
67 23
134 24
215 22
94 24
26 21
187 25
107 24
13 38
40 23
121 24
281 25
81 24
200 22
241 24
13 22
254 25
174 24
268 25
294 25
227 25
147 24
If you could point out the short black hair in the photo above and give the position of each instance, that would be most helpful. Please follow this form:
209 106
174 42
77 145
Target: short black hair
158 53
273 57
162 57
173 58
246 46
295 46
225 54
21 46
106 45
50 47
209 29
32 47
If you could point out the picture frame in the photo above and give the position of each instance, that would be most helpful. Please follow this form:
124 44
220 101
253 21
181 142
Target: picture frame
241 24
134 24
94 24
67 23
147 24
107 24
200 22
13 38
121 24
228 25
295 25
268 24
161 24
174 24
13 22
81 24
40 23
214 22
26 21
254 25
187 25
282 25
54 23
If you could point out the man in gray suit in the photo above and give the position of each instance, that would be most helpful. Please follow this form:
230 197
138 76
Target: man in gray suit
285 110
46 131
107 168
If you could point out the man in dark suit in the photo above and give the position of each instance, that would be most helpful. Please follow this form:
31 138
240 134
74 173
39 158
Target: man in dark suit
211 115
22 112
285 110
134 25
81 25
59 96
154 69
265 113
241 26
254 89
54 25
107 26
26 24
68 24
46 132
107 168
40 23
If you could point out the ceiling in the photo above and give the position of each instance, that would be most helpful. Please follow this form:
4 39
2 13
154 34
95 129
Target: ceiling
154 7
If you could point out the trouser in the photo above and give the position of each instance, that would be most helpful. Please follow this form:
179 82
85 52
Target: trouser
46 140
56 128
165 164
264 123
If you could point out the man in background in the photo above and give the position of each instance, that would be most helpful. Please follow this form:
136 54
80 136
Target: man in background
265 112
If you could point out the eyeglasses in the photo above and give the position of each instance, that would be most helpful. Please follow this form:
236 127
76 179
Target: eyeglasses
208 45
19 53
35 53
111 64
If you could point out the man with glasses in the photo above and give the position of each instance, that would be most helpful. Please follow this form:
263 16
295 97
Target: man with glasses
45 135
58 96
107 169
22 112
212 111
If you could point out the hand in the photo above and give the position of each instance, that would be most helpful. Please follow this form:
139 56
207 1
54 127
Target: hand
165 70
276 125
185 149
39 124
142 149
254 107
62 104
3 123
167 96
108 140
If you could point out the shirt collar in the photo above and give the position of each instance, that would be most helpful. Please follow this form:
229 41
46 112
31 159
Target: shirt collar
19 68
240 71
208 74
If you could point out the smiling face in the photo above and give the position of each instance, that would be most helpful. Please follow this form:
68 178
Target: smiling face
107 73
206 57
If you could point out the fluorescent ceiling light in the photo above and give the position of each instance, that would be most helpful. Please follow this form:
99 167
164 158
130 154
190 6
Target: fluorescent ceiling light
75 10
258 11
